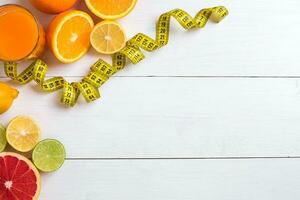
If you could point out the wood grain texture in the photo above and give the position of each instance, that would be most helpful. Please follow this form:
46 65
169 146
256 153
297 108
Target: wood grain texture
173 117
175 180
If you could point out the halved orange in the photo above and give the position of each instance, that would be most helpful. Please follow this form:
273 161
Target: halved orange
68 35
110 9
108 37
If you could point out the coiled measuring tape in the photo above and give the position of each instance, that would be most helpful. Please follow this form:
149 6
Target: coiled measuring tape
101 70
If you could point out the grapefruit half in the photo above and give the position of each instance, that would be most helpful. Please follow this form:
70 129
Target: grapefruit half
19 179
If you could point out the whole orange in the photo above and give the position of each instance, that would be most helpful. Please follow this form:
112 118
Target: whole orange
53 6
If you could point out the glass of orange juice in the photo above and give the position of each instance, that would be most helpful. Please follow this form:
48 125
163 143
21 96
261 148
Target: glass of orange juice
21 35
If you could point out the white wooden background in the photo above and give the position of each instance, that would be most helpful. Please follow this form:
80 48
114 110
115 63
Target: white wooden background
214 115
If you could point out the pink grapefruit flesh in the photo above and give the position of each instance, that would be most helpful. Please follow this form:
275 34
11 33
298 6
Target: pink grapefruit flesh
19 179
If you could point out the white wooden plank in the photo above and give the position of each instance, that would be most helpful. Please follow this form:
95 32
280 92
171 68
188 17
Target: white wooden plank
175 180
256 39
173 117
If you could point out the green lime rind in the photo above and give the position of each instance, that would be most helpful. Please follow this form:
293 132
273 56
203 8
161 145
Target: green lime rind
49 155
3 141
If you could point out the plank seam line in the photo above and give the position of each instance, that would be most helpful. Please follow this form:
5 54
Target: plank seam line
190 158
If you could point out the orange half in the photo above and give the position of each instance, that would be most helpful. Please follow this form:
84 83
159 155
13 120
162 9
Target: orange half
110 9
68 35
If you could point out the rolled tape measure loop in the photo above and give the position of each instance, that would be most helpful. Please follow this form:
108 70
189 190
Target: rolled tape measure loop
101 70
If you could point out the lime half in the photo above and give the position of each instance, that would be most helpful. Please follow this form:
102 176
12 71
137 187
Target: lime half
49 155
3 141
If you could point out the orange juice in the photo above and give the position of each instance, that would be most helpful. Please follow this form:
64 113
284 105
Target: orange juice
21 36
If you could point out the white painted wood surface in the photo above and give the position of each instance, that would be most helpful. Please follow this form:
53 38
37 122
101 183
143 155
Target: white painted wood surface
230 90
175 180
174 117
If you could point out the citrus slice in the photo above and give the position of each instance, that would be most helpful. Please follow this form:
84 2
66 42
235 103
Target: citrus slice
49 155
3 141
19 179
110 9
23 133
108 37
68 35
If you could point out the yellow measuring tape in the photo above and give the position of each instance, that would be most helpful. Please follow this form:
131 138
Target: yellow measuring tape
101 70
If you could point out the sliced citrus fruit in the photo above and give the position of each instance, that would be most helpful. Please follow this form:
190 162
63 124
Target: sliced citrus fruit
110 9
68 35
23 133
108 37
19 179
49 155
3 141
